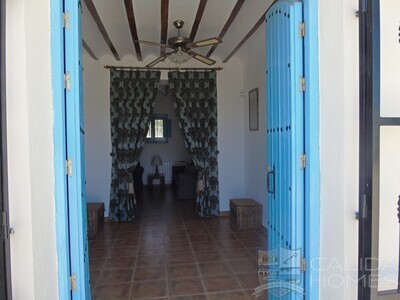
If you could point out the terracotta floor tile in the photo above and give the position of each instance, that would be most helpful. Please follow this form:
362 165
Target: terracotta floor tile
200 238
149 289
176 239
248 280
209 256
126 243
97 264
180 258
244 266
187 286
115 276
101 243
221 283
238 295
238 254
118 252
128 235
115 292
207 246
151 260
178 248
229 244
150 273
168 240
124 262
99 252
214 268
182 271
94 277
193 297
150 250
178 231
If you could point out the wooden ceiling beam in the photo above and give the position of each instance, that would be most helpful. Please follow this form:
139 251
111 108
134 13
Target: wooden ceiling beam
164 24
246 37
100 25
197 20
228 23
130 14
88 50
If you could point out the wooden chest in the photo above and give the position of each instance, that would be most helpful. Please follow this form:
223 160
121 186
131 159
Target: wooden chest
245 214
95 217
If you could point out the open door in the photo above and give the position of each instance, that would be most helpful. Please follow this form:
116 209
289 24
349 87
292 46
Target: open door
285 146
379 214
78 239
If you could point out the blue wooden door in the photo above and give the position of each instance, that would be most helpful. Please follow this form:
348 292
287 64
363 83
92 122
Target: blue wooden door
285 146
79 256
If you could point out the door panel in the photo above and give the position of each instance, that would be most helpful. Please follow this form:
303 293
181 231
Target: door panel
75 148
285 146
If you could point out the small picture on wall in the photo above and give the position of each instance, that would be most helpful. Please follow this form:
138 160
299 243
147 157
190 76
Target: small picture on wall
253 110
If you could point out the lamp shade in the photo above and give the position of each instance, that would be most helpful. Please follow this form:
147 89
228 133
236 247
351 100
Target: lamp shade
156 161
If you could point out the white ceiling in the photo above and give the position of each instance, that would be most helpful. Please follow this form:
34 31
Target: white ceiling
148 22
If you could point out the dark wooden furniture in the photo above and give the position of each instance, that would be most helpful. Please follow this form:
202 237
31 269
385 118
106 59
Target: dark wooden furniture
95 217
245 214
156 181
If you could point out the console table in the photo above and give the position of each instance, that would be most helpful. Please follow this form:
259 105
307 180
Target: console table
156 181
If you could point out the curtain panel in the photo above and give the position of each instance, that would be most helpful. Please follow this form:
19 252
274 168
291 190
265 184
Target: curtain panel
195 102
132 98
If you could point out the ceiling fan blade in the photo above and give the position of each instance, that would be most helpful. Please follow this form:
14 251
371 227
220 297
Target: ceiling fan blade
202 58
157 60
152 44
207 42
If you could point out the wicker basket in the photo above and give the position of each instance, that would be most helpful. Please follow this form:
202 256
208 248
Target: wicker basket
245 214
95 216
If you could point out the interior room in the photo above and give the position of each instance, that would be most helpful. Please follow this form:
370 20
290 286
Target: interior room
166 249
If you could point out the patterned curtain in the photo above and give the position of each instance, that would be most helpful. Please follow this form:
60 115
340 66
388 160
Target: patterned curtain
196 108
132 98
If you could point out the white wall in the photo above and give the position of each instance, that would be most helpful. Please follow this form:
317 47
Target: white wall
97 127
30 150
253 56
175 149
339 119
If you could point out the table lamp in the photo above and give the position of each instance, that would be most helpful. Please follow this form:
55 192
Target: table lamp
156 161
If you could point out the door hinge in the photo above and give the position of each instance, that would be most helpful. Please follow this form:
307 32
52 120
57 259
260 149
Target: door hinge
303 264
303 161
302 84
72 281
66 20
67 81
4 225
302 30
68 167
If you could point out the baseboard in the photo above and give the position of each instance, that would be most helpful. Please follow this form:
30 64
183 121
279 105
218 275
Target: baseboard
225 213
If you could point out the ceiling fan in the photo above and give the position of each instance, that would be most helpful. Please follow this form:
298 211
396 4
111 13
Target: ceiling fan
182 48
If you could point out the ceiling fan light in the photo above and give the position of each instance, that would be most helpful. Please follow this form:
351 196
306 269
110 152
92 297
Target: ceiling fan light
179 57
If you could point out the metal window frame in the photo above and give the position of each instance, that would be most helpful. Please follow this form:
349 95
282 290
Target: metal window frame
370 123
3 155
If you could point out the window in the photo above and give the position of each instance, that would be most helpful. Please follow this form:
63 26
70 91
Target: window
159 129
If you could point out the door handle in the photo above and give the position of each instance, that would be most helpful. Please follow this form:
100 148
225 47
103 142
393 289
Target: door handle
271 181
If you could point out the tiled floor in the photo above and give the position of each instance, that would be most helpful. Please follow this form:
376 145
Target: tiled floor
168 252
